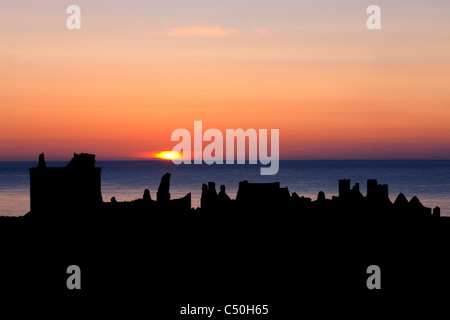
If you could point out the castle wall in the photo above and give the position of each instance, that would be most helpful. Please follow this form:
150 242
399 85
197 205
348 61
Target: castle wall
54 189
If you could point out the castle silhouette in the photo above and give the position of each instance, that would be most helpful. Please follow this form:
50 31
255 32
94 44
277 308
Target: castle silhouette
77 188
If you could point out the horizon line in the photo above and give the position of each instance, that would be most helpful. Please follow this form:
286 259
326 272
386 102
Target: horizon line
313 159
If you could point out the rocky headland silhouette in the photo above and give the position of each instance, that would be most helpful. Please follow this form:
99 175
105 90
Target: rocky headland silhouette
263 244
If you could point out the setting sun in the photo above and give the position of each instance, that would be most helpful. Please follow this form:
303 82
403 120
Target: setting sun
168 155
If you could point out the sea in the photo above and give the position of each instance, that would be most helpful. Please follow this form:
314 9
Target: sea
429 180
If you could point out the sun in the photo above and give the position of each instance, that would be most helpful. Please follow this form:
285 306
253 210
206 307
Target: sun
168 155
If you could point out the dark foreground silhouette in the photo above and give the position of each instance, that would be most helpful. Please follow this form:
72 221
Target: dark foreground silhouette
267 246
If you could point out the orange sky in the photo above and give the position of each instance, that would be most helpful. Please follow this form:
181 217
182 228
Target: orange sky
120 85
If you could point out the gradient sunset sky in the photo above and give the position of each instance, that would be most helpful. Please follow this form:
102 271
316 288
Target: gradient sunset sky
137 70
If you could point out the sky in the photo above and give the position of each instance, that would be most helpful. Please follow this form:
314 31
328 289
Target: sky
138 70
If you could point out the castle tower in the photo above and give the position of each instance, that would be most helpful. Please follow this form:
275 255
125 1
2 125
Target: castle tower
76 187
344 188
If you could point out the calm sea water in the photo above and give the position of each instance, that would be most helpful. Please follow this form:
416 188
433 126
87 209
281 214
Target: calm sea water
126 180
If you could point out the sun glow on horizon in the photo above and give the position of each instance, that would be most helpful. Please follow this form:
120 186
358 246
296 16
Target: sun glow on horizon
168 155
